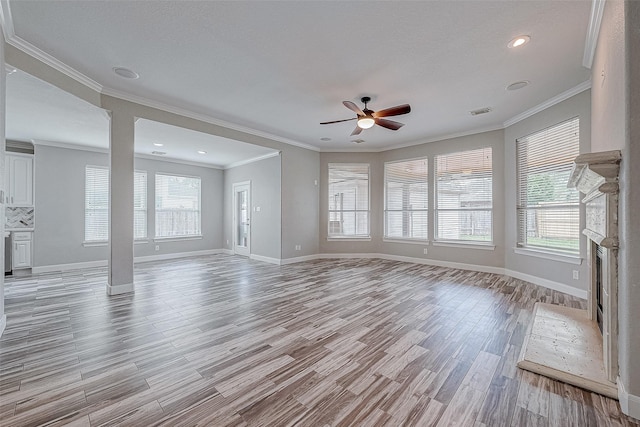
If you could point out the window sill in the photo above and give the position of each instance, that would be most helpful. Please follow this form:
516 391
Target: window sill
468 245
349 239
409 241
569 259
94 244
177 238
106 243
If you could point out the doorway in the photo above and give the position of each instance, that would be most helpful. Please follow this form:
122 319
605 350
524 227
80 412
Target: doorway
242 218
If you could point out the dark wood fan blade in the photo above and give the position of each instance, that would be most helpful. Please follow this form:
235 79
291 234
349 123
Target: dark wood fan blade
393 111
356 131
389 124
353 107
338 121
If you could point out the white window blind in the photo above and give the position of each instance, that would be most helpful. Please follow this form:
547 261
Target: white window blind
406 199
96 204
464 196
96 212
140 205
348 200
177 206
548 211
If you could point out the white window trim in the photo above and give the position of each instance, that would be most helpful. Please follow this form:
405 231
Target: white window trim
356 236
408 241
178 238
468 244
349 239
550 255
385 237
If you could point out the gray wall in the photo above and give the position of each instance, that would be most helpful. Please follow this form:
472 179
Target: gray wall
616 126
265 177
465 255
557 271
300 202
59 207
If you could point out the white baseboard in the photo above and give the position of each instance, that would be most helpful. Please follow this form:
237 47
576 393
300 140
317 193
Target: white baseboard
119 289
226 251
629 403
104 263
270 260
448 264
67 267
556 286
287 261
3 323
162 257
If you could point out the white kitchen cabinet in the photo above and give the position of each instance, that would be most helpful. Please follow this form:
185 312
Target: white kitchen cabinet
22 249
19 180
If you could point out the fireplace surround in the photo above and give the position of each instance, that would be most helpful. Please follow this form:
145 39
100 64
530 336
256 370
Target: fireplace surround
596 176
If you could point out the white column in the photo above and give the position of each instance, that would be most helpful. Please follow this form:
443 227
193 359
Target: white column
121 203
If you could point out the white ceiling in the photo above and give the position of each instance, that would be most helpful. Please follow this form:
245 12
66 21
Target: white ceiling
40 112
283 67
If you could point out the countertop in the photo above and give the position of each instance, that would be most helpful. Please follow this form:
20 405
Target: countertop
19 229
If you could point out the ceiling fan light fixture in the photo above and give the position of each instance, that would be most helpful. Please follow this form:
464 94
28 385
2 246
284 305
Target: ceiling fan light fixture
366 122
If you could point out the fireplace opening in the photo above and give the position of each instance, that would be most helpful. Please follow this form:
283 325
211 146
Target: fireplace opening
599 286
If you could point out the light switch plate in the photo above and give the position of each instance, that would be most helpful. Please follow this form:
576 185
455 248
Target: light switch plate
1 197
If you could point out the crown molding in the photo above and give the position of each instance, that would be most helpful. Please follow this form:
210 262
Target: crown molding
53 62
100 150
549 103
414 143
252 160
6 20
173 160
593 31
201 117
70 146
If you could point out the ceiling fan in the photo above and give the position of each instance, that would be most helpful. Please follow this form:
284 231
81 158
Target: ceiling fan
367 118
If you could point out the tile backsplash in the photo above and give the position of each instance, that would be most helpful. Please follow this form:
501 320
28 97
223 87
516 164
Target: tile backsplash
19 217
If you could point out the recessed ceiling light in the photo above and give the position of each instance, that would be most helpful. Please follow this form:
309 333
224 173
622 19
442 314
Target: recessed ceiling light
325 139
157 144
519 41
202 152
126 73
518 85
9 69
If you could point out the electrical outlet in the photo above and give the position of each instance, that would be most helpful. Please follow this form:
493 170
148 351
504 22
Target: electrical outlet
298 248
425 251
157 247
576 275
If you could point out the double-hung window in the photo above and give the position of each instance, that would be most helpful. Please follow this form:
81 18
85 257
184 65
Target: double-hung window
96 206
348 200
406 199
464 196
177 206
548 211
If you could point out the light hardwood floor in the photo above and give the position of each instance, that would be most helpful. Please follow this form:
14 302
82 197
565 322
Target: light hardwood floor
222 340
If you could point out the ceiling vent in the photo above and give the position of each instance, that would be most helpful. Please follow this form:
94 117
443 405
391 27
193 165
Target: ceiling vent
479 111
158 153
358 141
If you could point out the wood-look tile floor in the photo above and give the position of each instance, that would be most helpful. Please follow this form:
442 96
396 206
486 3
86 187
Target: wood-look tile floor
225 341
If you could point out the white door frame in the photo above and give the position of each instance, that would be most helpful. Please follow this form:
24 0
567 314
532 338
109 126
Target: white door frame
237 249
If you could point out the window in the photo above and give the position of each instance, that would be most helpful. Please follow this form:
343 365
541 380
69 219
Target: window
96 212
405 199
348 200
464 194
96 204
177 206
548 211
139 205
